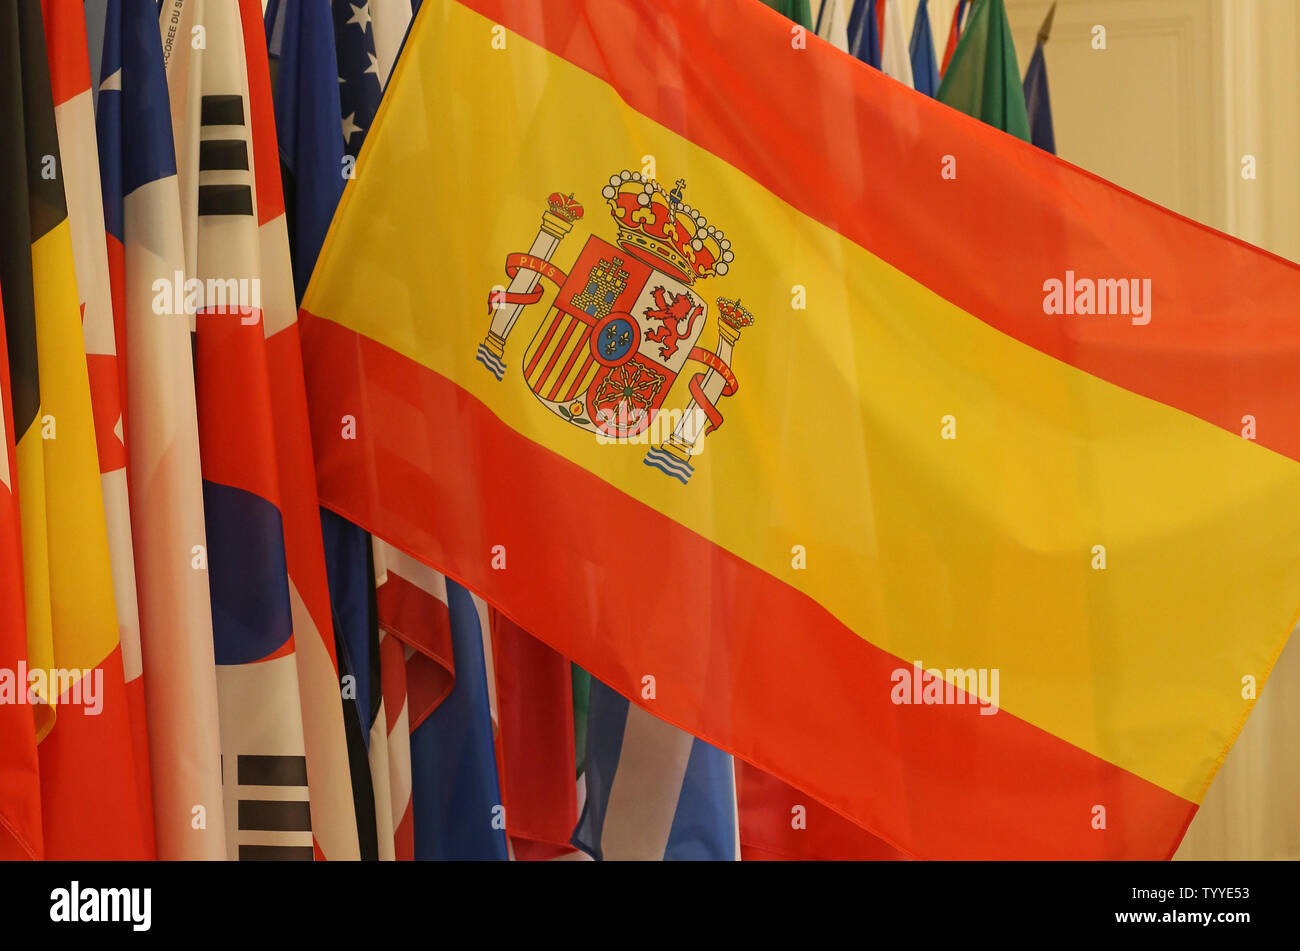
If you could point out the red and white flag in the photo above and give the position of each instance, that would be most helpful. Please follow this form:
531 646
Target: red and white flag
257 456
146 268
65 36
20 790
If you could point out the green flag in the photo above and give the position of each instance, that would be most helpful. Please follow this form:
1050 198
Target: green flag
797 10
983 79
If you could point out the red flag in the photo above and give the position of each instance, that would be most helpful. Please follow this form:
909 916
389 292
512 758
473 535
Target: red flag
416 674
65 40
90 800
535 742
778 821
20 791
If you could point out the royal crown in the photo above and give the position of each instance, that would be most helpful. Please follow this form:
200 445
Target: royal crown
731 313
565 206
662 230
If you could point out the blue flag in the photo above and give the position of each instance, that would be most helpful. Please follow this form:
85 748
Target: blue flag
864 33
654 792
455 793
320 51
925 65
308 124
1038 103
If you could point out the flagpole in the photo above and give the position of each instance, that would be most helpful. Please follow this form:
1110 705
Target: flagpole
557 221
673 456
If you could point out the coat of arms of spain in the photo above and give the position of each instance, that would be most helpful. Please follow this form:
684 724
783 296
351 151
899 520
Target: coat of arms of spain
622 329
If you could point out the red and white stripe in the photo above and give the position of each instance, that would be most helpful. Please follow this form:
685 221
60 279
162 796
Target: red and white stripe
65 28
416 674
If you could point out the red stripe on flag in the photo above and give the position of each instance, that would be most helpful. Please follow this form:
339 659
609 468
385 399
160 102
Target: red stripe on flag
304 551
404 835
233 393
103 820
778 821
776 670
954 34
538 766
577 380
65 42
104 394
392 679
20 794
117 270
266 163
413 616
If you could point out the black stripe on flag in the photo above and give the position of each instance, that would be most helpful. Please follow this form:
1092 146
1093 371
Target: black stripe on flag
44 190
273 815
222 110
225 200
257 770
222 154
276 853
16 279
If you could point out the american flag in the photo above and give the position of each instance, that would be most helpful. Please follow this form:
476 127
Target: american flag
360 79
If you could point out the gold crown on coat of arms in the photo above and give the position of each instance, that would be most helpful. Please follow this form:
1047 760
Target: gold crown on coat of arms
658 226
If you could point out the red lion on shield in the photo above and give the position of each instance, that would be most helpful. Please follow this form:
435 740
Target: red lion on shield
670 316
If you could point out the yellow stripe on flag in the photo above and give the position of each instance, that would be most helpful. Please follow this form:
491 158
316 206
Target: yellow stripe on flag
30 465
80 581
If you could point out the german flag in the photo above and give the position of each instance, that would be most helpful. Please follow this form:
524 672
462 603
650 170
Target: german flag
90 799
911 470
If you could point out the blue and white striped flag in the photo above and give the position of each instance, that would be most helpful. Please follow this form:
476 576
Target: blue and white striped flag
654 792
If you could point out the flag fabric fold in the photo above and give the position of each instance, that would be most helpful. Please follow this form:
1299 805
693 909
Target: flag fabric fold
864 32
1038 100
960 13
91 801
895 56
833 23
653 792
983 77
65 29
147 273
535 742
20 791
925 71
781 823
272 624
456 805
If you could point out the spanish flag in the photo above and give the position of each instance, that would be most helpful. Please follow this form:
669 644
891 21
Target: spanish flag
91 803
920 469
